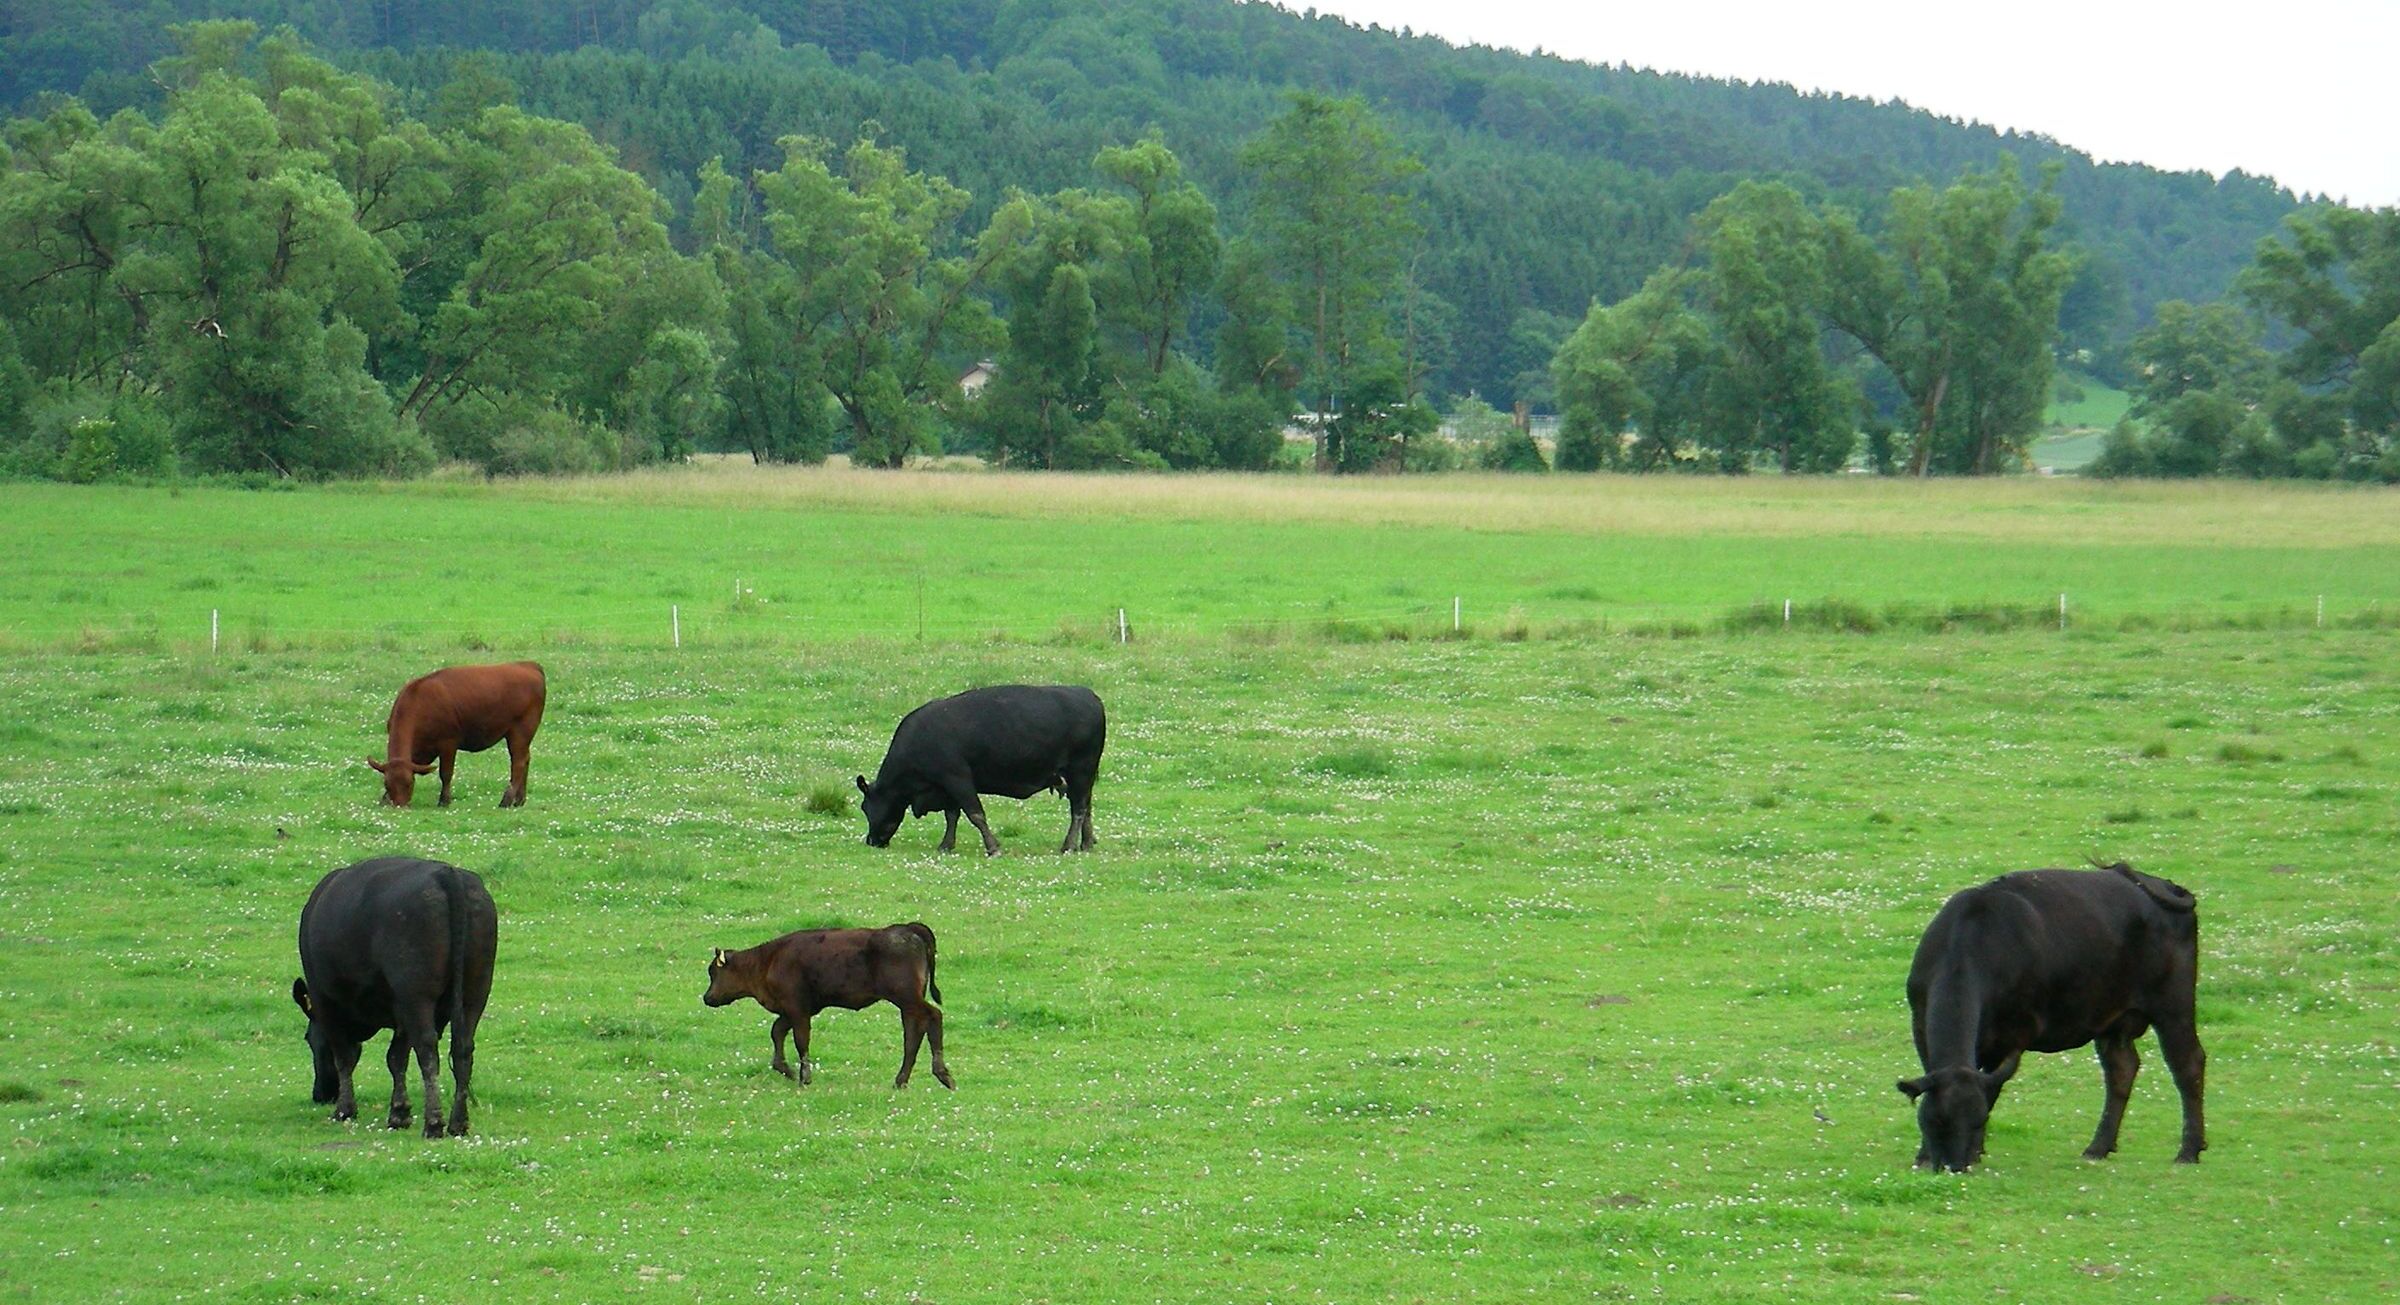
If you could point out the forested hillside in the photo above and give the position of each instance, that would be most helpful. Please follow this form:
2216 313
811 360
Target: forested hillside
1546 184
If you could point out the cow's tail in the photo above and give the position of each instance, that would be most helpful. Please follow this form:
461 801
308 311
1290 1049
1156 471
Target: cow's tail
454 1006
933 990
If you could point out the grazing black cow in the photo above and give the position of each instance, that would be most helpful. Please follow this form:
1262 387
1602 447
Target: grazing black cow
1010 740
802 973
2048 960
400 944
461 709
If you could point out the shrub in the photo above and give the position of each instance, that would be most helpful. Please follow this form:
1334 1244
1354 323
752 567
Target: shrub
1515 451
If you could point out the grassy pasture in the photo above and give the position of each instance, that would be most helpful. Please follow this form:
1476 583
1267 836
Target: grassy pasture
835 554
1561 969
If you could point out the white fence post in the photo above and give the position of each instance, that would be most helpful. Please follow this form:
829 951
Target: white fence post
2062 611
212 631
1454 611
675 621
1121 633
2320 611
1787 611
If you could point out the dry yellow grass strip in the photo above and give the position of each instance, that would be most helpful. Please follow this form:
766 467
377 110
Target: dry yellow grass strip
2013 510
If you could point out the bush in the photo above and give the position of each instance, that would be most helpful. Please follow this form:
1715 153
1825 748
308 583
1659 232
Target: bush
91 451
1515 451
1431 453
547 443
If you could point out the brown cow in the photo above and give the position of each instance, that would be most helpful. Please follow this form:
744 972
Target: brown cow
802 973
461 709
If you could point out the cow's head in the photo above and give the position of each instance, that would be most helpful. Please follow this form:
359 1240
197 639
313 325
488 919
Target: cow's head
1953 1105
727 981
884 811
400 778
328 1084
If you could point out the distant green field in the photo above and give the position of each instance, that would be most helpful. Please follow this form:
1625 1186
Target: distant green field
2076 427
1560 969
2101 406
834 555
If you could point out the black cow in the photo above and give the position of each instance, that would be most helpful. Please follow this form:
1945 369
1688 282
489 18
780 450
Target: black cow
2048 960
1011 740
400 944
802 973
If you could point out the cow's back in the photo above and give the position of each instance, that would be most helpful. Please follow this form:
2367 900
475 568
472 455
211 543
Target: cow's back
2060 948
473 706
1019 732
398 926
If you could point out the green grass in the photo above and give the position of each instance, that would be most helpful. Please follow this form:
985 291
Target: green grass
829 555
2077 427
1559 969
2099 408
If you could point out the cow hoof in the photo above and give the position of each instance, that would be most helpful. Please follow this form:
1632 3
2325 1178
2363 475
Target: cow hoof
2187 1157
786 1071
344 1114
458 1128
2095 1153
942 1076
433 1126
397 1119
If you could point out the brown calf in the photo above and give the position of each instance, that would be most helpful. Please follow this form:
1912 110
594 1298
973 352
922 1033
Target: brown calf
802 973
461 709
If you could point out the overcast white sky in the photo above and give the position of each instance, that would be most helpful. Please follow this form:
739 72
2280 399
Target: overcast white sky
2305 91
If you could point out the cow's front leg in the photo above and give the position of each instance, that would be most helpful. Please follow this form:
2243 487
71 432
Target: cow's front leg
345 1065
783 1026
449 764
949 830
974 809
396 1060
799 1023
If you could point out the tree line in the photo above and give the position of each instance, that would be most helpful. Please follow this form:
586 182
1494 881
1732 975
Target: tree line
294 269
2211 398
284 274
1545 182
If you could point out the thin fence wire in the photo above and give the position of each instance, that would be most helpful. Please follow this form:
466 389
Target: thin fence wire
667 624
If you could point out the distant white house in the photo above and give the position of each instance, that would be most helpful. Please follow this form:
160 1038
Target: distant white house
973 379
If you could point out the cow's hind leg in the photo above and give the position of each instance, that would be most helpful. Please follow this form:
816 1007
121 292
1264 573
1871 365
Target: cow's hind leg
949 830
1079 802
424 1037
933 1034
2119 1062
396 1060
912 1032
2189 1064
520 761
462 1069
